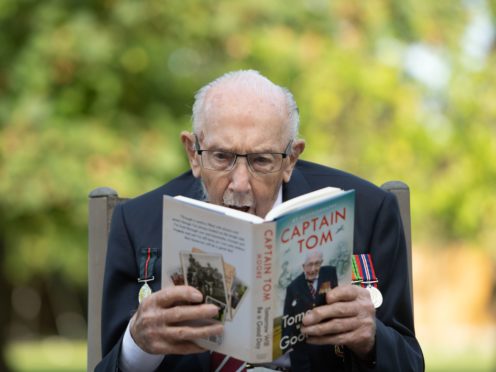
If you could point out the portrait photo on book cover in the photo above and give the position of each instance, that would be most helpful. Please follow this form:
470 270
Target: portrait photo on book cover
305 292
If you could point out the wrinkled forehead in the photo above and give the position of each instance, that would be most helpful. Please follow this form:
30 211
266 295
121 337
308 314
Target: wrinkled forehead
234 113
245 99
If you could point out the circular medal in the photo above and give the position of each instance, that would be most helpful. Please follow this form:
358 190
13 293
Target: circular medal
144 291
375 295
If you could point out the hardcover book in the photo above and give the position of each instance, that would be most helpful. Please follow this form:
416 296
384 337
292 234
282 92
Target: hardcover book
258 270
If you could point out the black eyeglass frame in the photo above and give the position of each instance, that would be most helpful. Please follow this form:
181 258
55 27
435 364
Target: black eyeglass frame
236 156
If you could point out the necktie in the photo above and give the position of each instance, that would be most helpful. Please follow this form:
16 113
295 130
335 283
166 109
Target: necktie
223 363
311 287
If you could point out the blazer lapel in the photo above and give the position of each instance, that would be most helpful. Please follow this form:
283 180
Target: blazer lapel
195 191
296 186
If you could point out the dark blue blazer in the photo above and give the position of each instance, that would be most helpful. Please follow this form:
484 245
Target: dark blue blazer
137 224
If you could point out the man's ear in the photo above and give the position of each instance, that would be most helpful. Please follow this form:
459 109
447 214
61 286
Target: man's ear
297 148
188 140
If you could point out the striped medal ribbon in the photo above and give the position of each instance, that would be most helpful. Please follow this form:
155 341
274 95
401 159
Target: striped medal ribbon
363 274
147 262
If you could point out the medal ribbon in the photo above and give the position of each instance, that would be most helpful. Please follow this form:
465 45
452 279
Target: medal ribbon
147 259
367 269
356 276
147 262
363 270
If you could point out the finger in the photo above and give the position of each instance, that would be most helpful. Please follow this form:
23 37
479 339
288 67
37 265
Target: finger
168 297
335 310
360 340
341 338
338 339
190 333
183 313
180 339
153 330
331 327
343 293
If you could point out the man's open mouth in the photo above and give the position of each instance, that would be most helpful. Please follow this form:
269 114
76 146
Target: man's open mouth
243 208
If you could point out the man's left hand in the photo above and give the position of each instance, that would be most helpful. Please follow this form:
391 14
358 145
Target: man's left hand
347 318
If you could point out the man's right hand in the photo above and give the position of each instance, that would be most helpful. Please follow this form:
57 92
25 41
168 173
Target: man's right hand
160 326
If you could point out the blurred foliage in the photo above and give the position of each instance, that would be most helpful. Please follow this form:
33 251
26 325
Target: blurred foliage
95 93
48 355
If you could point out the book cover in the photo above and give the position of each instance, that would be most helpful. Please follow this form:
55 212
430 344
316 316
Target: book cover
314 243
251 268
213 253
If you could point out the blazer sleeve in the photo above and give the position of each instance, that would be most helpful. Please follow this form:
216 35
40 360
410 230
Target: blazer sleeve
396 347
120 289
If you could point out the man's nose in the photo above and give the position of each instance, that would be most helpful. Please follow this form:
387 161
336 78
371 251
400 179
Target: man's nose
240 176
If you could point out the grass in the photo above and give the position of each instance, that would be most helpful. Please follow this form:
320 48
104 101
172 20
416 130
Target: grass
52 354
55 354
470 359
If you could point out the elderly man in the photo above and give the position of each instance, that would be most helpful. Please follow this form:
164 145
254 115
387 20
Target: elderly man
243 154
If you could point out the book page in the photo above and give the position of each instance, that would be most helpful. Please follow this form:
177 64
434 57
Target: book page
283 208
301 201
222 210
213 253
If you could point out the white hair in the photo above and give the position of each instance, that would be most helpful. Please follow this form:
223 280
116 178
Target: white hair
254 81
311 254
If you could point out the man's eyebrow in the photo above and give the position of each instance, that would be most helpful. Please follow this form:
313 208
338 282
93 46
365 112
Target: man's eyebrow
220 148
265 151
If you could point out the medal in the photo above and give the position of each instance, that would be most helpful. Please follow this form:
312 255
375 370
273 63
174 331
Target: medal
147 262
144 292
363 274
375 296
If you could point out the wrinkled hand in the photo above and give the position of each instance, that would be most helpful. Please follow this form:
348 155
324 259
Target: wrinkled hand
158 327
347 318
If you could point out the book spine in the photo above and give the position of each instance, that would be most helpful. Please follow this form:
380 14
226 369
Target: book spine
262 314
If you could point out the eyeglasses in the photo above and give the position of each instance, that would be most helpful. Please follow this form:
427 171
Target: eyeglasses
267 162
